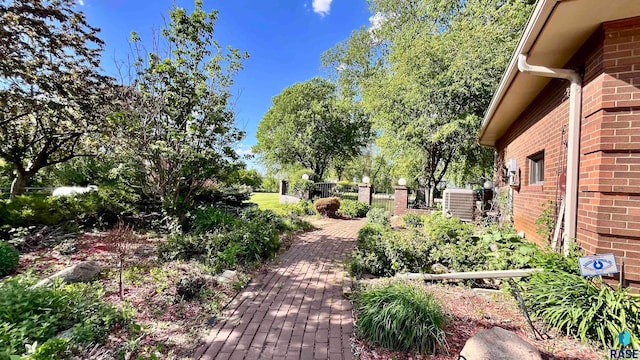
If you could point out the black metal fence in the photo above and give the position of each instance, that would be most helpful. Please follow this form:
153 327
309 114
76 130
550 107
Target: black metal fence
323 190
346 191
343 191
383 200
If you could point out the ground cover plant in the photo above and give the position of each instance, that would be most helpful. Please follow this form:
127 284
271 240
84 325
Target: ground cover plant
34 317
9 258
169 279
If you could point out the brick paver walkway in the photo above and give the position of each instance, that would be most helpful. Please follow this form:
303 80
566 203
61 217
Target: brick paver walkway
297 309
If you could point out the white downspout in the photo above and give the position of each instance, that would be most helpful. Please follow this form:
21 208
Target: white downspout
573 148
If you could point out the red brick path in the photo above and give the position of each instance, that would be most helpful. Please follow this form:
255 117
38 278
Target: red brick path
297 309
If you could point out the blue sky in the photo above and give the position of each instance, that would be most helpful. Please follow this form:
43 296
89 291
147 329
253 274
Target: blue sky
284 39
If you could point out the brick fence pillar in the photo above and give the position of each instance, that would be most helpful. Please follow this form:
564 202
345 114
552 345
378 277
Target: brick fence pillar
365 193
401 200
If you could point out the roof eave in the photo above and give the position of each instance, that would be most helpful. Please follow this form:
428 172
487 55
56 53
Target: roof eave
536 23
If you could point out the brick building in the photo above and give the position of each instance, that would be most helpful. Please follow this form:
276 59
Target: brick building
565 123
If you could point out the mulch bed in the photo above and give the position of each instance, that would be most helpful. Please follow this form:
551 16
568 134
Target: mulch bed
170 328
471 311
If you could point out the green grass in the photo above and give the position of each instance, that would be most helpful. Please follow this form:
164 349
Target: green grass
267 201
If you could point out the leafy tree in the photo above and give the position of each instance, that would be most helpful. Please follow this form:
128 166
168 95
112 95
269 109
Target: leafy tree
373 164
270 184
52 96
427 77
249 177
309 125
178 121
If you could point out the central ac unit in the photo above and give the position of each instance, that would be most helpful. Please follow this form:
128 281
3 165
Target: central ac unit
459 202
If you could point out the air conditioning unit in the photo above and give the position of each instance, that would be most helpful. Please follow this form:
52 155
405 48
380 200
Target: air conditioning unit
459 202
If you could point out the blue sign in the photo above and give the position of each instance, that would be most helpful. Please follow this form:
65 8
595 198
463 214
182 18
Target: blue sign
598 265
624 340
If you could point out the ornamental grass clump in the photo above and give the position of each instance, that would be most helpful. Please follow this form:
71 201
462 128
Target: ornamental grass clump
401 316
587 309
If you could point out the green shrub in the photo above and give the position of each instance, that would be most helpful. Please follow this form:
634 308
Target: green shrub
302 187
551 260
401 317
54 348
381 251
258 241
222 197
344 185
213 218
379 216
306 207
546 221
466 253
505 249
37 315
227 241
265 216
297 224
449 242
413 221
327 206
580 307
9 258
48 210
302 208
353 208
446 229
189 288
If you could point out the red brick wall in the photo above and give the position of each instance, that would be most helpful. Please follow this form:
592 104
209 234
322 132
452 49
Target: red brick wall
609 182
609 203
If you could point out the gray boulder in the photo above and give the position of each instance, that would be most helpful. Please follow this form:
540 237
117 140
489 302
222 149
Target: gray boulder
498 344
439 269
81 272
228 277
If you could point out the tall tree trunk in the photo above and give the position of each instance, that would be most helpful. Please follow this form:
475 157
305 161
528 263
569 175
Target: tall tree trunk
431 191
18 185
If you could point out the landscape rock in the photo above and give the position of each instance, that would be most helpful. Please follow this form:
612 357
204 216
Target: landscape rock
439 269
81 272
498 344
66 334
228 277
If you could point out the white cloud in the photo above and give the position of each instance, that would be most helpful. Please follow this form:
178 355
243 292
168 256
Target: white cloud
243 150
322 7
376 21
81 2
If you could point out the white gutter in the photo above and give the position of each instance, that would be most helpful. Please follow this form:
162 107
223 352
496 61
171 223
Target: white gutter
573 148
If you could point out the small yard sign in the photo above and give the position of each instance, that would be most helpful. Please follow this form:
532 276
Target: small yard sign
598 265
